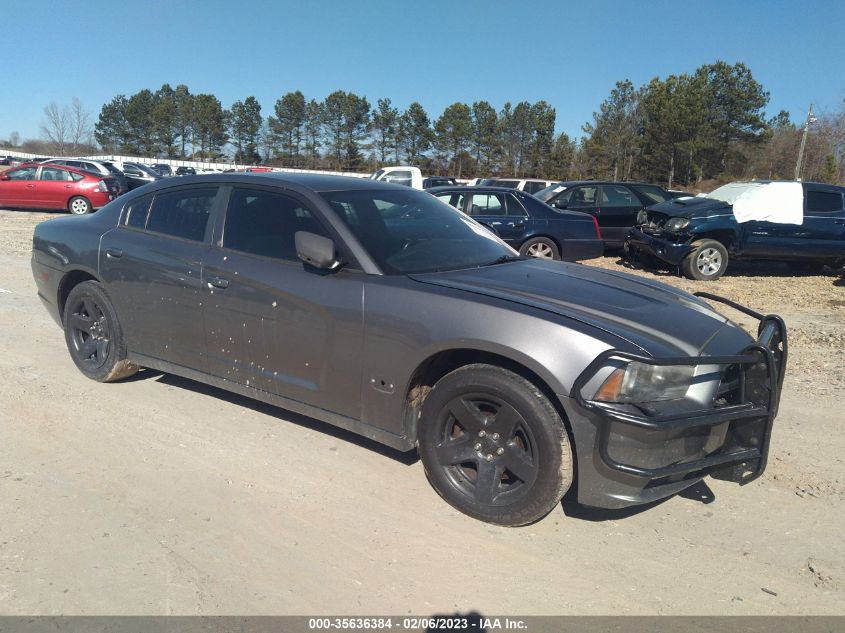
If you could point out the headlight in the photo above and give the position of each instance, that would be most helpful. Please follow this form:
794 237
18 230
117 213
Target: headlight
642 217
641 382
676 225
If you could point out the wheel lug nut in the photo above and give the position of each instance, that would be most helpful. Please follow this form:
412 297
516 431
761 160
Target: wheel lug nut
489 458
478 447
482 433
495 436
500 451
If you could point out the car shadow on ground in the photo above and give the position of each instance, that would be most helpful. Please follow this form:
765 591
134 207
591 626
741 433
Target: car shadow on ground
407 458
736 269
571 508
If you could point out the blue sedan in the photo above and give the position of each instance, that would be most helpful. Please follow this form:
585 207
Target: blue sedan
530 226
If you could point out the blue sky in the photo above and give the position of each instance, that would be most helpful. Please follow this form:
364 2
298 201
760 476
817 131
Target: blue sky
434 52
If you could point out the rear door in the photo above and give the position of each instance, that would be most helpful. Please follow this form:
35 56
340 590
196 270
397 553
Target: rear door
618 209
824 223
55 187
272 322
491 210
152 266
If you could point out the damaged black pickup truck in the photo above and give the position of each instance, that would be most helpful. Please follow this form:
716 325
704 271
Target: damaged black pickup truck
802 224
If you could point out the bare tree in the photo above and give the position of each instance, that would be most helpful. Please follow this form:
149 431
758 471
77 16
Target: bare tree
14 139
57 126
81 128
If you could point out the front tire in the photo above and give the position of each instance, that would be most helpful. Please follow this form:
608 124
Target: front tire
707 262
493 446
93 334
541 247
79 206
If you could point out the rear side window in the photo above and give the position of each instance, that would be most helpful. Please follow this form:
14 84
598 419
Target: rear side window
487 204
514 207
655 194
618 196
823 201
265 223
454 199
136 213
54 173
534 187
183 213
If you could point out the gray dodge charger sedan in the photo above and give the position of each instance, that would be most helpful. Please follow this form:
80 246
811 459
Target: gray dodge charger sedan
384 311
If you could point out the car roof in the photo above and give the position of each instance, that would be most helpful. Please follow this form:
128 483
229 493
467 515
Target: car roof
316 182
75 170
474 189
572 183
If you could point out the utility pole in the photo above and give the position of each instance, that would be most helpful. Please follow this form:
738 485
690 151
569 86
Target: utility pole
810 119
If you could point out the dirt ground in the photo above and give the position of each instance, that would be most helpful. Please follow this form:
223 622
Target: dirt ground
159 495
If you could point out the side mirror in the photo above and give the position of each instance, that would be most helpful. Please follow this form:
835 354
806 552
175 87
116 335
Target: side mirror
561 204
315 250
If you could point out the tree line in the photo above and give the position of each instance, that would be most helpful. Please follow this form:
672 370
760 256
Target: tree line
343 131
678 131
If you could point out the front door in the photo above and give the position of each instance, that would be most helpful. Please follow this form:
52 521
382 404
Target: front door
272 322
19 190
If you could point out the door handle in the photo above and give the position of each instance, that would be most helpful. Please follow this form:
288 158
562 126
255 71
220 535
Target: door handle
218 282
68 186
114 253
30 186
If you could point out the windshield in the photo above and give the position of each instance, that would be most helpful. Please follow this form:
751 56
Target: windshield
730 192
114 170
550 192
147 170
409 232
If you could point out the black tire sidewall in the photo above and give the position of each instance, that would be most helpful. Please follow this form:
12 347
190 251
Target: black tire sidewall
553 450
117 347
537 240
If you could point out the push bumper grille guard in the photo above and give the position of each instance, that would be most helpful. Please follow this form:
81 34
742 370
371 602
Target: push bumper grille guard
759 400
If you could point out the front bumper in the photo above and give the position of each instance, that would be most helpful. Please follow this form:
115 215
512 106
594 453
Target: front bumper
628 455
660 247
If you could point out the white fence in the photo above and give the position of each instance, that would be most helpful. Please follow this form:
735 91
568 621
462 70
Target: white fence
185 163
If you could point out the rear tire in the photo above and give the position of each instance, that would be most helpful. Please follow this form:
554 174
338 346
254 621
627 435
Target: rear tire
79 206
93 334
493 446
707 262
540 247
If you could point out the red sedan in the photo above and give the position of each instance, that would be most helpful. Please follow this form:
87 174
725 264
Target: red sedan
55 187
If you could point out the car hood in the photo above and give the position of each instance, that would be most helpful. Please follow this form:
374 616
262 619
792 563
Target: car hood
692 207
652 316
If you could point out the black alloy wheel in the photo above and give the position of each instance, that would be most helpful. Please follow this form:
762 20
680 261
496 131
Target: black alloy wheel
89 333
93 334
494 446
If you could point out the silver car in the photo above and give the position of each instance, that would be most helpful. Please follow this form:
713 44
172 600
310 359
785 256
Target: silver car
382 310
